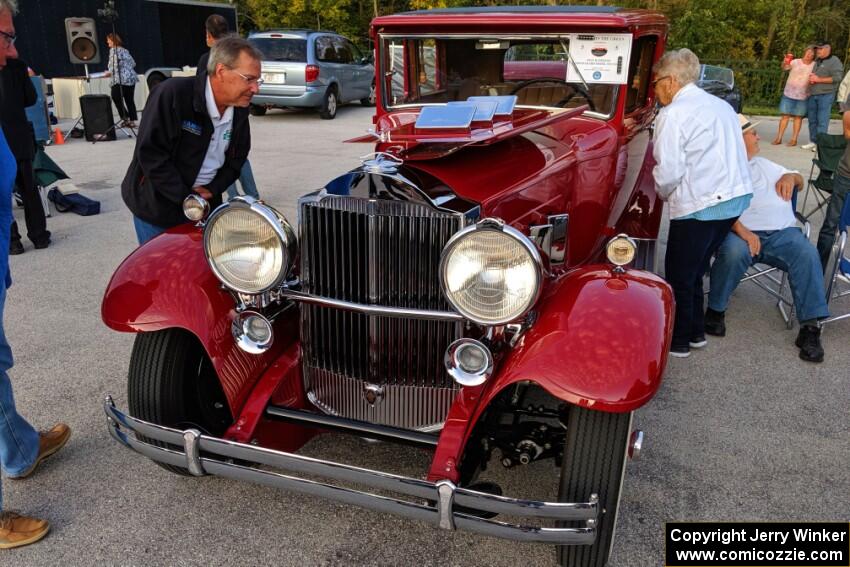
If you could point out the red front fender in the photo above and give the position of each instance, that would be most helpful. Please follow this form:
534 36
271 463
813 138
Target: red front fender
167 283
600 341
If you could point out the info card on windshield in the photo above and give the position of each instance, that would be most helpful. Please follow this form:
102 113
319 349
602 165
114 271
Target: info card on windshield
599 58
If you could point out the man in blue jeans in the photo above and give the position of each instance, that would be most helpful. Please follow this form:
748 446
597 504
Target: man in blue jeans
824 81
766 233
22 448
246 180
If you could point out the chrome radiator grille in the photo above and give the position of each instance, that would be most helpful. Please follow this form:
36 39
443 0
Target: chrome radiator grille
383 253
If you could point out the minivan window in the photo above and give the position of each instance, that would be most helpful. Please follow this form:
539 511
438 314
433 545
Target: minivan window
355 52
343 52
325 49
282 48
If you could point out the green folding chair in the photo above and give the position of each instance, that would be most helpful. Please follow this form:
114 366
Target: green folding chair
830 149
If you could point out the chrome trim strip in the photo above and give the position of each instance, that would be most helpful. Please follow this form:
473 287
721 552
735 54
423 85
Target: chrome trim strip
398 312
224 450
353 426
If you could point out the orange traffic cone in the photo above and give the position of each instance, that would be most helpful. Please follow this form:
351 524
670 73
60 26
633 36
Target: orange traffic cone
58 137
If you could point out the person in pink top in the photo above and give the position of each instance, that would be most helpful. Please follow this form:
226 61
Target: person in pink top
793 103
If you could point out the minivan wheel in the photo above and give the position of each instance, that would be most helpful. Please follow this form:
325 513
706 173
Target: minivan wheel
172 382
370 100
257 110
329 105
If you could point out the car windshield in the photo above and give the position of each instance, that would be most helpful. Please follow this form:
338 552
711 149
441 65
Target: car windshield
437 70
282 49
719 74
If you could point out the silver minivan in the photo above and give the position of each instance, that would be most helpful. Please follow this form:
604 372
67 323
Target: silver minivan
312 69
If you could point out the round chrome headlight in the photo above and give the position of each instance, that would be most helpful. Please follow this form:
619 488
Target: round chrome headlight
491 273
249 246
196 208
253 332
621 250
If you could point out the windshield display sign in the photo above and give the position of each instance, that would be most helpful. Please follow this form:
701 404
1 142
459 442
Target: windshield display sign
599 58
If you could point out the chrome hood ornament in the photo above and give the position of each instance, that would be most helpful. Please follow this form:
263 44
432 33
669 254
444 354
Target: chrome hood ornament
381 162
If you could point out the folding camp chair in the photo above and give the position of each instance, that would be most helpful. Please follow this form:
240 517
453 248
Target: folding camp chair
838 284
763 275
830 149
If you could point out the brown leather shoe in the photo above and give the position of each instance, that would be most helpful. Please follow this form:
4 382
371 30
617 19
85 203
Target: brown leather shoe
17 530
49 442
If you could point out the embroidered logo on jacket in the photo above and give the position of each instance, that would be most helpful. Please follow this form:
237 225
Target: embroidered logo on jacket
190 126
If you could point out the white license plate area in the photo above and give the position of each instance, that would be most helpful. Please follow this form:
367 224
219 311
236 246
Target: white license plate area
274 78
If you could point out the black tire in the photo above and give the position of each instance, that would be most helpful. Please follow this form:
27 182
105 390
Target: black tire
172 382
257 110
594 463
330 104
369 100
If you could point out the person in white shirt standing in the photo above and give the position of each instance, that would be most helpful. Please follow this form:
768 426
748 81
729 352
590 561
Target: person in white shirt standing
703 175
767 233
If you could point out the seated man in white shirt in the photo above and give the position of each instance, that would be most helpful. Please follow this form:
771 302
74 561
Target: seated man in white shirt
766 233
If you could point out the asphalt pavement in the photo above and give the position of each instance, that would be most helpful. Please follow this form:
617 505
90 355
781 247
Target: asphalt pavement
742 430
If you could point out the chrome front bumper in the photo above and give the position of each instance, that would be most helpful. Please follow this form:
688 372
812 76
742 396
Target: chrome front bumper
203 455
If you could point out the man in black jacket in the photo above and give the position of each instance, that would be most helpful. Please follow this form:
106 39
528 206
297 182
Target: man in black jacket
17 93
193 138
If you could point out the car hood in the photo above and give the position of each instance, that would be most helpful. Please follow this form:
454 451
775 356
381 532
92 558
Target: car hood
397 130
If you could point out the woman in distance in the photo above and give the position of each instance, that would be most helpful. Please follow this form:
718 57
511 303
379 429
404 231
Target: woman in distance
793 103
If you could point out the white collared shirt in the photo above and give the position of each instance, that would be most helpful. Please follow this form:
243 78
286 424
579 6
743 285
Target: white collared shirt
767 210
222 131
700 154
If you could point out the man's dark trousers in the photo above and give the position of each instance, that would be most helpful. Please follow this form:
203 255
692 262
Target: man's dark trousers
826 238
690 245
33 208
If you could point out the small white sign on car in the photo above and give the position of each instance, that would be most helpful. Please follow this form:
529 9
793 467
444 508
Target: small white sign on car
599 58
274 78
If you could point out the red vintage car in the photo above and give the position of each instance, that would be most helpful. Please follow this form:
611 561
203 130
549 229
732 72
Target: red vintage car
482 283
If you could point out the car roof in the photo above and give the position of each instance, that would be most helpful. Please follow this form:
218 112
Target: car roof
299 32
536 16
519 9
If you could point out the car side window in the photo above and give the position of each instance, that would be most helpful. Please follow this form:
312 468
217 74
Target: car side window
343 53
356 54
640 72
325 50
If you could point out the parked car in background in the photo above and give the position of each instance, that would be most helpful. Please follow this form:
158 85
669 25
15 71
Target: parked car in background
480 287
720 81
312 69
